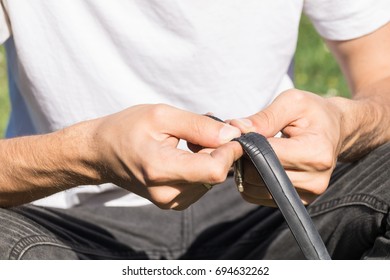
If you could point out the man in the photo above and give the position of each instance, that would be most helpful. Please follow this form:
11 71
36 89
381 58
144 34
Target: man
85 80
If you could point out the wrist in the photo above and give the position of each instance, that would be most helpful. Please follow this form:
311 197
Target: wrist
37 166
362 126
80 153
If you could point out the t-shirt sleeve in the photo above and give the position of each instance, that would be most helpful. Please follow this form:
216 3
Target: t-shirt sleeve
5 30
347 19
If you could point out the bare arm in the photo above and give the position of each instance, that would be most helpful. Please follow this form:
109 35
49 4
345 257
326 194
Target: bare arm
366 65
319 131
36 166
134 148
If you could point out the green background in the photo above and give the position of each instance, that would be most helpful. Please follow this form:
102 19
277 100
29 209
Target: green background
315 70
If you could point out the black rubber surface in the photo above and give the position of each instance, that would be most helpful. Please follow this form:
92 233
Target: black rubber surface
286 197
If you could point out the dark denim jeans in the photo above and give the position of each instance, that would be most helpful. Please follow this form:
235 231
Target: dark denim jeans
352 217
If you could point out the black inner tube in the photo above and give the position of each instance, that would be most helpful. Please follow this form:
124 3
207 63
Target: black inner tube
284 194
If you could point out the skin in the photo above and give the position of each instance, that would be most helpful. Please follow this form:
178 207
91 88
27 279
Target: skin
319 131
135 149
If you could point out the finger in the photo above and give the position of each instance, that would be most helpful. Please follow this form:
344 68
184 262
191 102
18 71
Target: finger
255 198
198 129
245 125
309 183
222 159
285 109
306 153
178 166
188 197
176 197
258 192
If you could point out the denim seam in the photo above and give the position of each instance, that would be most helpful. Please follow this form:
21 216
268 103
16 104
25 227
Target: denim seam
25 244
369 201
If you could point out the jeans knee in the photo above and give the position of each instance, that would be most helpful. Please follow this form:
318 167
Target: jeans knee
22 238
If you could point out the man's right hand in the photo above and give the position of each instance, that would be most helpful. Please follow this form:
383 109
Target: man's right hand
135 149
138 148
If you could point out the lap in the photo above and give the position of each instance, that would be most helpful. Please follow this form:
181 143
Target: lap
351 216
86 232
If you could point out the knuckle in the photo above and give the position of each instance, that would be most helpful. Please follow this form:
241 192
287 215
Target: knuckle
158 111
163 200
321 185
152 176
295 95
218 174
323 161
162 206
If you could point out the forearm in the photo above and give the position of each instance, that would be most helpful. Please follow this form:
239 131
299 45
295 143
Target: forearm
36 166
135 149
365 120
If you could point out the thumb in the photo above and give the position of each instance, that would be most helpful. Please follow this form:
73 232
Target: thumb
280 113
200 129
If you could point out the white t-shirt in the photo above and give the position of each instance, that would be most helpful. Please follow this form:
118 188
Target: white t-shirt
75 60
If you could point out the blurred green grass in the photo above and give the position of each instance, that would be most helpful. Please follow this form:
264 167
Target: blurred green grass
315 70
4 100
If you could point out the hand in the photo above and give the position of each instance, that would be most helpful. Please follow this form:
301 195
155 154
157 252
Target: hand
137 150
309 146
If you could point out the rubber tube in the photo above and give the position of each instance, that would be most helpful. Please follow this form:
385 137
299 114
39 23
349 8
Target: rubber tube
284 194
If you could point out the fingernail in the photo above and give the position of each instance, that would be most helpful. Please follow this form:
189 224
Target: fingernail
228 132
245 122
